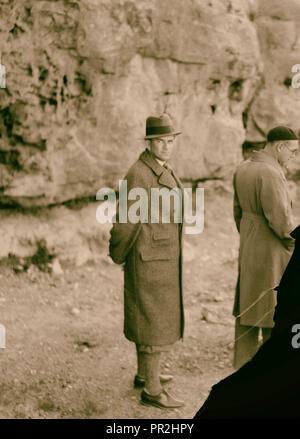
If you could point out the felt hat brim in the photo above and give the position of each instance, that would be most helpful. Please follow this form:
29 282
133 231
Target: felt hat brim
153 136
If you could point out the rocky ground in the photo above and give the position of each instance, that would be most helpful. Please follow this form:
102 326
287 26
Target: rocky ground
66 356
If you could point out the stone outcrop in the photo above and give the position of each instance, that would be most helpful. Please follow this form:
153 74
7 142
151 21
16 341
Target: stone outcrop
69 234
276 102
82 76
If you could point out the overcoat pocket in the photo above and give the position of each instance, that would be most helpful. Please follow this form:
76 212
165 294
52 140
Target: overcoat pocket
159 254
160 239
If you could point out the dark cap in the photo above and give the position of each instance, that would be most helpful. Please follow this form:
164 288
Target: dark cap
281 133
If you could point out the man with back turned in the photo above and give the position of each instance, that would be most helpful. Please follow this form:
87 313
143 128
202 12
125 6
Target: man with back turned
263 216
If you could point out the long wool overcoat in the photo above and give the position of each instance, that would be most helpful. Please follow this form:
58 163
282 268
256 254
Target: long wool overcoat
263 215
152 253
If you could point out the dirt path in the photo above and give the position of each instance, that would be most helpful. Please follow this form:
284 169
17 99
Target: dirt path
66 356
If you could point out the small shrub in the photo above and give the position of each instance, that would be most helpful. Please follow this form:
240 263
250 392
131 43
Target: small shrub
47 405
42 257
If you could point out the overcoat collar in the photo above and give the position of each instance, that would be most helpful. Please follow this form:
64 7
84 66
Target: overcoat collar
164 176
262 156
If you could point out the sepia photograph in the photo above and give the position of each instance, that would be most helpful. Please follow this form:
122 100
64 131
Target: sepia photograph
149 212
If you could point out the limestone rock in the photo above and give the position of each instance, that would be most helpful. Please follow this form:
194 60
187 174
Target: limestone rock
276 101
56 268
71 235
83 76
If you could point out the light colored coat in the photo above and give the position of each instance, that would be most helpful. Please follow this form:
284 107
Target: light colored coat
153 304
263 215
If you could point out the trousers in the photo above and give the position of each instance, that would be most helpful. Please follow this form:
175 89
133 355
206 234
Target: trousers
247 342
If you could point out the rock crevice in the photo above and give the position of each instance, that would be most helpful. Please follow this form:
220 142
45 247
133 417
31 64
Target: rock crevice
82 76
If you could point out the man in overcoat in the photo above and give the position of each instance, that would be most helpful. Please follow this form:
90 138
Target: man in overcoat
263 216
150 250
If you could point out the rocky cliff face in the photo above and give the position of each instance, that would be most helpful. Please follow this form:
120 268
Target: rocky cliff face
82 76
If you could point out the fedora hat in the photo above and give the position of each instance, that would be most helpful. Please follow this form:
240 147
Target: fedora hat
160 127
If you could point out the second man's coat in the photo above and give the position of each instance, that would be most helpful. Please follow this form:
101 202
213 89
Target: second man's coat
263 215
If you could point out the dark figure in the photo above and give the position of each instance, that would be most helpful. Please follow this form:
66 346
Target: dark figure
268 386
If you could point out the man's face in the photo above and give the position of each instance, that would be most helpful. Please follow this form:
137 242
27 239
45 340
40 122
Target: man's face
162 147
287 150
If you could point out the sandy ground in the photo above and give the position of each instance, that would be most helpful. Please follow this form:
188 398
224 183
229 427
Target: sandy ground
66 356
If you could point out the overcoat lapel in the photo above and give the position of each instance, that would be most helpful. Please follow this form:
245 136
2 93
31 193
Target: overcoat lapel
166 179
164 176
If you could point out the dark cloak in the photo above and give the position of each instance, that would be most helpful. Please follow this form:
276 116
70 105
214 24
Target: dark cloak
268 386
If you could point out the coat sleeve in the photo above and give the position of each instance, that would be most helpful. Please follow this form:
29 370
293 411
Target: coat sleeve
276 206
124 235
237 210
